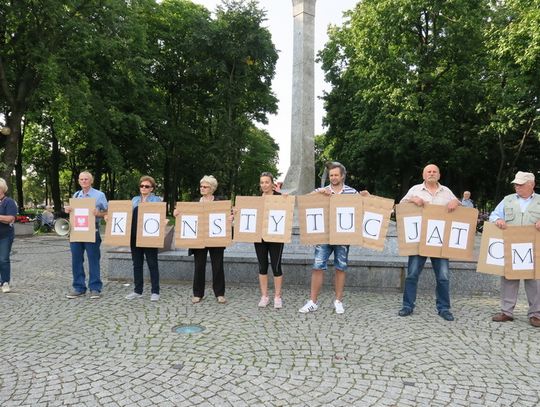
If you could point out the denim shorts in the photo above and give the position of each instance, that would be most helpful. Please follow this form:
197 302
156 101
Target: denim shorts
323 252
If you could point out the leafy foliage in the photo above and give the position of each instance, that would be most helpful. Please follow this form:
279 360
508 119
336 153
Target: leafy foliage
416 82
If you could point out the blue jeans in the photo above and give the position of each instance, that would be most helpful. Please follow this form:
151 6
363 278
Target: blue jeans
77 265
442 275
5 263
137 256
323 252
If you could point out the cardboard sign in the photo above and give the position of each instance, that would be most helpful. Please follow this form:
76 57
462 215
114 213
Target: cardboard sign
278 218
346 219
118 230
519 248
313 217
460 234
248 218
375 220
435 220
409 228
82 220
217 227
491 258
151 224
188 233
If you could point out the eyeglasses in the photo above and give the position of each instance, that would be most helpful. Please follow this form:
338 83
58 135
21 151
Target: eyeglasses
205 186
145 186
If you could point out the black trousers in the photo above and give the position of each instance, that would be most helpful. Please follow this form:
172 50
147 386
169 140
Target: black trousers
275 250
137 255
218 273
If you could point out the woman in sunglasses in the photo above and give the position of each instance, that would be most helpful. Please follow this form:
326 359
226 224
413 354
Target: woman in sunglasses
272 249
147 186
208 185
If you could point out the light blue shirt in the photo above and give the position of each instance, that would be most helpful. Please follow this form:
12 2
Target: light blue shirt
151 198
498 213
101 200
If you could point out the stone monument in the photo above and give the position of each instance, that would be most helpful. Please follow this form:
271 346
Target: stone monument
300 178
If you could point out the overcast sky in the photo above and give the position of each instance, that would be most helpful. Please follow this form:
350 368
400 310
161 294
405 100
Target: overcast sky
280 24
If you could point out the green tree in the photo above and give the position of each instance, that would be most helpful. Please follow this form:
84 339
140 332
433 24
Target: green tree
406 81
512 104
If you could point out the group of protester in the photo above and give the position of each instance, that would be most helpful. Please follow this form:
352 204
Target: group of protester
519 208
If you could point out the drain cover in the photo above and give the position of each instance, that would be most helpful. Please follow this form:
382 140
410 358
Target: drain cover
188 329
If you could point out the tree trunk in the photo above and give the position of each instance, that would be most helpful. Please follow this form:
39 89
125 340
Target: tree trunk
167 195
54 174
19 172
14 121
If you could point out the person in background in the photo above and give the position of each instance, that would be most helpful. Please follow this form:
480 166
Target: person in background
8 212
519 208
466 201
273 249
147 185
92 249
208 185
430 192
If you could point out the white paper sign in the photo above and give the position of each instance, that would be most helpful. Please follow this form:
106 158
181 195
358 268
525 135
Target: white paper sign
413 228
151 225
435 232
315 220
345 219
217 225
81 216
119 223
371 225
276 222
522 256
248 220
459 235
188 226
495 252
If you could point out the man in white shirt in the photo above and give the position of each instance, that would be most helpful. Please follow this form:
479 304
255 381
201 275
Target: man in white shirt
431 192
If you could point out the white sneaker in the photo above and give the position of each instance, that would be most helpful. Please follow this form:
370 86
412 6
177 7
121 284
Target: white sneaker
133 296
309 307
6 288
154 297
278 303
264 302
338 305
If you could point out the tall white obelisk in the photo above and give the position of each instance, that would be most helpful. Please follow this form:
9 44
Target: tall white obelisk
300 178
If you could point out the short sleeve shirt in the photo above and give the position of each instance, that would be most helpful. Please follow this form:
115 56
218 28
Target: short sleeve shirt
345 190
442 195
8 207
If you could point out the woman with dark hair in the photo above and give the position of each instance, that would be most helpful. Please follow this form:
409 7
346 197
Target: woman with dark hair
266 249
147 185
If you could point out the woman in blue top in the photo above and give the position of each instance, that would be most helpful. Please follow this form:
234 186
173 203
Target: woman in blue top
8 211
147 185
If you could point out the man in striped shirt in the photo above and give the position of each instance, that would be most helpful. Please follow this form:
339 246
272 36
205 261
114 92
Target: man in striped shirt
336 173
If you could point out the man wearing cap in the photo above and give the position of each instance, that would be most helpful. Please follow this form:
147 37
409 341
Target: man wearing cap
521 208
429 192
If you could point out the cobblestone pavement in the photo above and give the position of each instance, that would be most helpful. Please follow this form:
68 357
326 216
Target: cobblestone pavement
114 352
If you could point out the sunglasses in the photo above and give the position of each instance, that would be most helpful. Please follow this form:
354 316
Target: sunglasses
145 186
